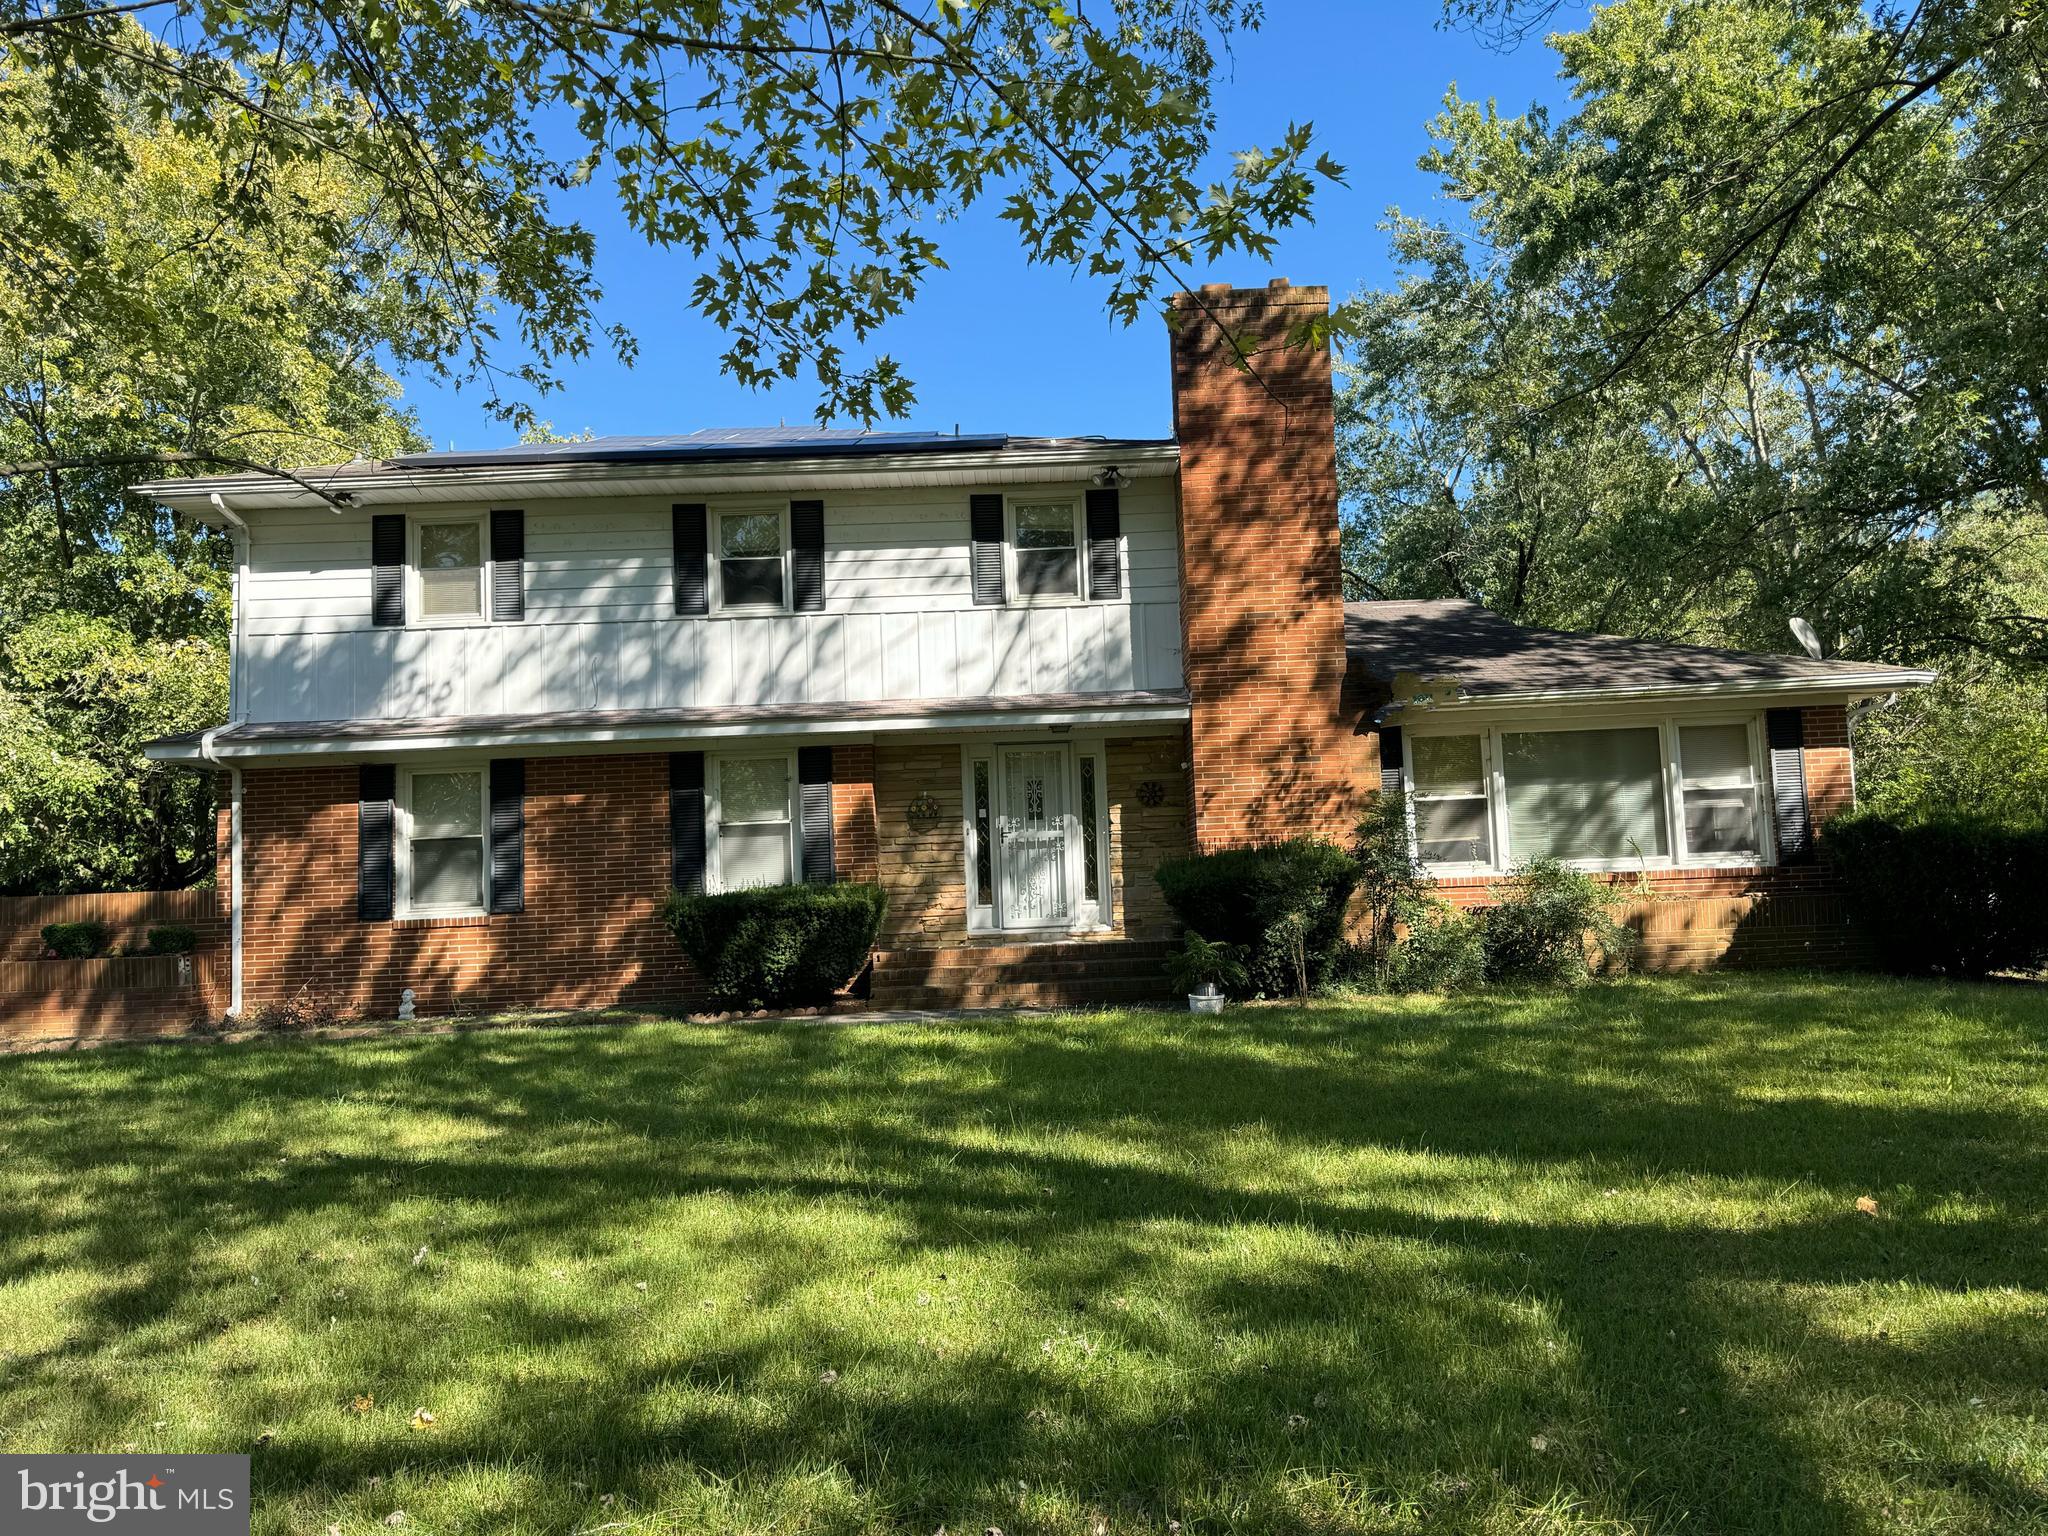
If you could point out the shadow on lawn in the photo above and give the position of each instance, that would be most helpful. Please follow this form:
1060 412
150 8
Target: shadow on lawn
1414 1340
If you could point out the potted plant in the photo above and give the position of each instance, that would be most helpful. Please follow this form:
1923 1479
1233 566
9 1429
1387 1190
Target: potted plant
1203 969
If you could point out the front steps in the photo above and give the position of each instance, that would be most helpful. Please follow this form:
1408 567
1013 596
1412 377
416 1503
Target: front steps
1070 974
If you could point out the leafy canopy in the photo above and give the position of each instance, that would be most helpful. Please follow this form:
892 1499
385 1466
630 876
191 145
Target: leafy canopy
804 154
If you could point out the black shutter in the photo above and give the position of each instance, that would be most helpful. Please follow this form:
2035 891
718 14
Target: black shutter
508 564
387 570
985 527
686 822
1391 762
508 834
1105 538
376 787
814 780
693 587
1785 735
807 555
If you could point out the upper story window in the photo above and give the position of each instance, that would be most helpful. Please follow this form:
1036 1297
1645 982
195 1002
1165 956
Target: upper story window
449 569
440 821
751 824
752 570
1644 794
1045 539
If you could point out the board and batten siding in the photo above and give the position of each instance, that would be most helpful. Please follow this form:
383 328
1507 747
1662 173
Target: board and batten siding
601 633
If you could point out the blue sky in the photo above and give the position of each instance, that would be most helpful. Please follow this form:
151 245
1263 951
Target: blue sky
996 345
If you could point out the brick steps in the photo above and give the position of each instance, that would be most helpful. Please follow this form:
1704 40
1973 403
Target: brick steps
1056 975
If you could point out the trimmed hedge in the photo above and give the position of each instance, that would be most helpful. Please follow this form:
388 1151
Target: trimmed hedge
1947 896
76 941
170 939
1282 904
785 946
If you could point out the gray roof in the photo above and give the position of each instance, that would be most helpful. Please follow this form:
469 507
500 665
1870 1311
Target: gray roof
678 720
729 443
1492 657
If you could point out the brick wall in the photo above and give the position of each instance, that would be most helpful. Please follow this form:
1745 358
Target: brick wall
1142 837
1261 587
597 867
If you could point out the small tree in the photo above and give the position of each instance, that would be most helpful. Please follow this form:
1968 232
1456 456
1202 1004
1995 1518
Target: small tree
1391 888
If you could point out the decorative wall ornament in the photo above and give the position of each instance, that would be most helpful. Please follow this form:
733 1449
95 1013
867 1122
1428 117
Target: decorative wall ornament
1151 792
924 812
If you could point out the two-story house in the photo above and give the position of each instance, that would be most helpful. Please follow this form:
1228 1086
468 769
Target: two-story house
488 708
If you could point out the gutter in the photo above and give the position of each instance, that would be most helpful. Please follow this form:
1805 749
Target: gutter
1855 683
210 754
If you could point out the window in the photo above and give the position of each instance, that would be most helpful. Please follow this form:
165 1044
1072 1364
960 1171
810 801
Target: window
1717 790
444 841
1452 821
750 563
448 559
1091 858
984 857
754 826
1047 552
1585 795
1649 794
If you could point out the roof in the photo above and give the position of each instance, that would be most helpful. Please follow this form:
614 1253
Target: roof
613 726
723 461
728 443
1492 658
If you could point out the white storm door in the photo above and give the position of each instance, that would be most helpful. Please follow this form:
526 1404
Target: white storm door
1034 829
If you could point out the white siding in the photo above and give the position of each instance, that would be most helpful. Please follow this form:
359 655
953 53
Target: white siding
600 632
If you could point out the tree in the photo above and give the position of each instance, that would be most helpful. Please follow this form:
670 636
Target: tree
803 153
1843 422
168 316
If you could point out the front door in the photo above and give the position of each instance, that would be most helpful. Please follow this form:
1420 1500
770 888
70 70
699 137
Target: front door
1031 838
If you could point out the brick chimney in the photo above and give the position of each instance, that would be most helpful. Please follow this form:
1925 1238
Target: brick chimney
1262 603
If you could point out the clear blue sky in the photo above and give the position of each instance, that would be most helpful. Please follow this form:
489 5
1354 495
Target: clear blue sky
996 345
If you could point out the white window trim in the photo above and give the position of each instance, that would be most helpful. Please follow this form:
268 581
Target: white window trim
714 820
1494 756
716 516
401 818
415 594
1078 501
1455 867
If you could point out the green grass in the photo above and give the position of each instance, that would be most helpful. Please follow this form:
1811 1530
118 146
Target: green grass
1532 1263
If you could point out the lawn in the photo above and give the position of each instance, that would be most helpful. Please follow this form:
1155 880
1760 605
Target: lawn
1531 1263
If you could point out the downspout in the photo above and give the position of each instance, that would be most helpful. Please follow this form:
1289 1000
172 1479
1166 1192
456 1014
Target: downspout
239 534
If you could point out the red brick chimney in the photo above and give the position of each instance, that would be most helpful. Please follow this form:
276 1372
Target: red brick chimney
1262 602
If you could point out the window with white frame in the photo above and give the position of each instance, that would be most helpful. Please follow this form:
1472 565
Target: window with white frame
1655 793
752 570
1453 817
1046 548
1717 786
442 821
753 829
449 570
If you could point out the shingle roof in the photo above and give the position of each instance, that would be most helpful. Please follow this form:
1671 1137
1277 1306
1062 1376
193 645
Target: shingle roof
1492 657
726 443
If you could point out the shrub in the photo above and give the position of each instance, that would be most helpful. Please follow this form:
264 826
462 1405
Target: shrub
306 1009
1199 962
1440 950
76 941
780 946
170 939
1543 919
1946 895
1282 904
1392 892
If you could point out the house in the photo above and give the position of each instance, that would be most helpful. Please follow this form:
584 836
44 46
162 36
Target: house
488 708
